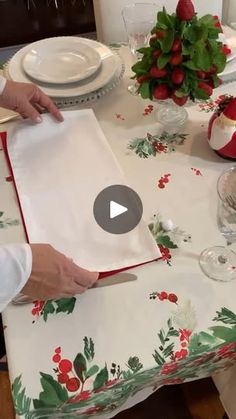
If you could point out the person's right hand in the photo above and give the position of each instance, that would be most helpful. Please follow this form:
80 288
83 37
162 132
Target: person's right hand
54 275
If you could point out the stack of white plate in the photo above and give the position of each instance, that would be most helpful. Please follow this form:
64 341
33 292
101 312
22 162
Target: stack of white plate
69 69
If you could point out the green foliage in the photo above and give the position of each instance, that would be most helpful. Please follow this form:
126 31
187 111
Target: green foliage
200 51
88 349
63 305
80 366
226 316
53 393
134 364
166 348
21 401
101 378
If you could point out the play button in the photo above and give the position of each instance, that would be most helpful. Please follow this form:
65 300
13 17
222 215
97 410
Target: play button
118 209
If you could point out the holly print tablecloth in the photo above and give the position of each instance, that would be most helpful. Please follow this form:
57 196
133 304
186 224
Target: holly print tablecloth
99 353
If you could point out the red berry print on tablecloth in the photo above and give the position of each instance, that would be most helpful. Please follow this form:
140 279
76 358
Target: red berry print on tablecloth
38 307
165 253
65 365
63 378
196 171
73 384
148 110
163 181
58 350
119 116
56 358
164 296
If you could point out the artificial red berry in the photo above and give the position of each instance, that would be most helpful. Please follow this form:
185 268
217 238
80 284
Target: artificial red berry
58 350
158 72
73 384
161 91
157 53
177 45
226 50
205 86
62 378
173 298
65 365
180 101
201 74
185 10
56 358
176 58
212 69
178 75
160 34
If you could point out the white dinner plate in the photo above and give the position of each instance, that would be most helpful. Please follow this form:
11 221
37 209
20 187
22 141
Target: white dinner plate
61 60
110 62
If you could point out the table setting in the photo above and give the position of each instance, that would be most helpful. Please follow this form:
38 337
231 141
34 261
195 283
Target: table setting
167 315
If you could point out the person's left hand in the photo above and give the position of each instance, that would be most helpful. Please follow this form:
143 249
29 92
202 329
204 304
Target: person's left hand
28 100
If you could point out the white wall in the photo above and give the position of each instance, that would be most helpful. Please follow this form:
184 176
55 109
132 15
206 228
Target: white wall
110 27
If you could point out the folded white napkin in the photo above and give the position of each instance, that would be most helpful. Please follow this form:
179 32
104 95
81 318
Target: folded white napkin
59 169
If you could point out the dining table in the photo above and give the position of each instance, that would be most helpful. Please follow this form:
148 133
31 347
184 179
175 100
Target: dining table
99 353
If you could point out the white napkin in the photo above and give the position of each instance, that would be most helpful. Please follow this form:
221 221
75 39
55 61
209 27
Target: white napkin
59 169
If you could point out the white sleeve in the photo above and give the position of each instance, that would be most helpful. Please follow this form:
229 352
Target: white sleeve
2 84
15 269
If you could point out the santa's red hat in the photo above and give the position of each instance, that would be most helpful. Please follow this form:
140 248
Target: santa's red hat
222 131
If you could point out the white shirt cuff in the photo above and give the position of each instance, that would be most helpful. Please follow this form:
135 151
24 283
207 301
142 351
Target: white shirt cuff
2 84
15 268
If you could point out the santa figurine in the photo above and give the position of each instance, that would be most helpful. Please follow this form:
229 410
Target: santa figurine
222 129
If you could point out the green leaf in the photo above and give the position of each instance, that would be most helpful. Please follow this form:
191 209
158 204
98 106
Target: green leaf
168 350
92 371
65 305
53 393
80 366
220 61
134 364
164 19
213 32
161 336
167 42
144 89
163 60
101 378
88 348
48 308
226 316
201 94
225 333
21 401
201 342
207 20
166 241
190 64
158 358
201 59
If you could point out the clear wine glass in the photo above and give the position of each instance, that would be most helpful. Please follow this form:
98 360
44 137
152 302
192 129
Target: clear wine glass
219 262
139 19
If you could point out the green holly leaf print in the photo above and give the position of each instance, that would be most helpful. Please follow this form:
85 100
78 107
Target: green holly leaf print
21 401
92 371
202 342
158 358
134 364
225 333
65 305
226 316
165 241
53 393
48 308
80 367
88 349
101 378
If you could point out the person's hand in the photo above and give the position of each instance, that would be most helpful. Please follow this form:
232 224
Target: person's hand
54 275
28 100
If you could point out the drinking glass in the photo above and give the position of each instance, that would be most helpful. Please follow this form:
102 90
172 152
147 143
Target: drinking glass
139 19
219 262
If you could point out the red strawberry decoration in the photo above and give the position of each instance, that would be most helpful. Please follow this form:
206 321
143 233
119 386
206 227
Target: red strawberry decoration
180 101
178 75
176 58
205 86
161 92
177 45
185 10
141 79
158 72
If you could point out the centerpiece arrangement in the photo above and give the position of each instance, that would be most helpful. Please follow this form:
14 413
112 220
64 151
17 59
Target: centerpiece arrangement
182 61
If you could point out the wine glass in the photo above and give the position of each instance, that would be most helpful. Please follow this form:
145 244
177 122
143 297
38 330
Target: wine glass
139 19
219 262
